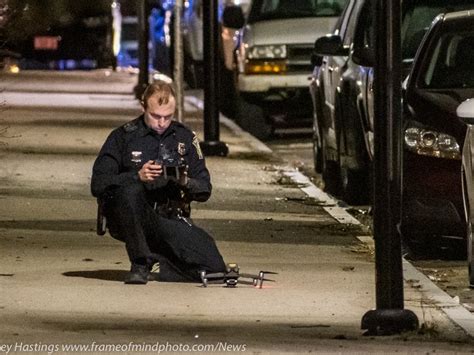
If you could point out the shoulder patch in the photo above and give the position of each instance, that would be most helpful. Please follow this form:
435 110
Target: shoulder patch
130 126
197 146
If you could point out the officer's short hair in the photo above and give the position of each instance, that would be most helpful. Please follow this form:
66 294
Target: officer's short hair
161 89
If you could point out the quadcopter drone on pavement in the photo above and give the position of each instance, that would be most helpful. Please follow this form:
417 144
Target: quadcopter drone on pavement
232 276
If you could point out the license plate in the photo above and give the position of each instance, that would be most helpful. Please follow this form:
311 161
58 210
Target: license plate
46 42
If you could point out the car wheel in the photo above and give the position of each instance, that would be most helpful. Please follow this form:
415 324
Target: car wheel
228 97
470 254
331 177
252 118
354 181
353 185
193 73
317 148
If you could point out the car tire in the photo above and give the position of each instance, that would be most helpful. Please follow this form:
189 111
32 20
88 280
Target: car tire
193 73
354 182
469 230
252 118
228 96
470 254
331 177
354 185
318 153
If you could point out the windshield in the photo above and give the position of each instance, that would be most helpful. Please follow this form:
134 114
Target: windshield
418 15
451 65
281 9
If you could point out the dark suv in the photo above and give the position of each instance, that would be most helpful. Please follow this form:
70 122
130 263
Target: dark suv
342 95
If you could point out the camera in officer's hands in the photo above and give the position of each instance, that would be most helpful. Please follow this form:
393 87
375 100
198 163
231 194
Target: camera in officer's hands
173 169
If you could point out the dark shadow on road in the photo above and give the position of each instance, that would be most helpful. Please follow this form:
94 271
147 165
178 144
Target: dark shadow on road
275 232
283 135
107 275
75 225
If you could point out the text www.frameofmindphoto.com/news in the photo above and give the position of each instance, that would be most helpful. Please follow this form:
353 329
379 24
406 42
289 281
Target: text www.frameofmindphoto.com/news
167 347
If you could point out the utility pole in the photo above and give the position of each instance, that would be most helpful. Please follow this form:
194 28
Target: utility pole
389 317
178 61
143 38
211 144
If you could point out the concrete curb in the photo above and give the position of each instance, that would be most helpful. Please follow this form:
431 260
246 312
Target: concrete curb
455 311
332 207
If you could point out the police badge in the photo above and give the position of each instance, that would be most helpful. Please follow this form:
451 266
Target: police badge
181 148
136 157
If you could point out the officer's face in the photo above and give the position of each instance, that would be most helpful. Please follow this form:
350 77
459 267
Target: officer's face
159 117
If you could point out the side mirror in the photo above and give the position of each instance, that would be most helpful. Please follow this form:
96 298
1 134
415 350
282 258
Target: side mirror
233 17
363 56
316 60
465 111
330 45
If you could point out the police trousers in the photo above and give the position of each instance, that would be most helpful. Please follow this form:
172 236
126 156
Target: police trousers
181 248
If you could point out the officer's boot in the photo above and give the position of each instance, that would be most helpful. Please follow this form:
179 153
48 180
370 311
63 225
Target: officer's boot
138 274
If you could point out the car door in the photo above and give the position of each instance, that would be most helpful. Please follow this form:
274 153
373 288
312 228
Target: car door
334 66
364 38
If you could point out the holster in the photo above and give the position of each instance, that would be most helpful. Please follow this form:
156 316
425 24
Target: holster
173 209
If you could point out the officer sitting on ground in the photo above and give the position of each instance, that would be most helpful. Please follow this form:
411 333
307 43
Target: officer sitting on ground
146 174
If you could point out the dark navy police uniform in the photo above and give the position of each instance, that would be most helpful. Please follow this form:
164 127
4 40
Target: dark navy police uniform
151 218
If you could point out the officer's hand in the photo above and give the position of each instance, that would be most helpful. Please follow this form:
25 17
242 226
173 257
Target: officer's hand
183 175
150 171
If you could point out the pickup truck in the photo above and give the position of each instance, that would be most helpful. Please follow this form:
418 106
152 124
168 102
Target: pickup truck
271 62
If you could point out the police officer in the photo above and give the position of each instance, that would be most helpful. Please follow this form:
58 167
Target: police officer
145 176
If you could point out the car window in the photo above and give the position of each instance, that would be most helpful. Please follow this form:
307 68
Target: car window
418 16
364 36
341 23
349 34
280 9
451 63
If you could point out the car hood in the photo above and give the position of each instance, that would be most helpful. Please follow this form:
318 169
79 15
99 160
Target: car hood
437 109
288 31
446 100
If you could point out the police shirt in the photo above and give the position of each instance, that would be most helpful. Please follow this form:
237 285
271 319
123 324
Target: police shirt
130 146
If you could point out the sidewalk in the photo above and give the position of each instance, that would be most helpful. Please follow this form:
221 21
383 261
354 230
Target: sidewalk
61 284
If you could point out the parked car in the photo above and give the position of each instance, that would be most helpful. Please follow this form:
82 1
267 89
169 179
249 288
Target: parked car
434 182
272 65
69 35
341 140
342 92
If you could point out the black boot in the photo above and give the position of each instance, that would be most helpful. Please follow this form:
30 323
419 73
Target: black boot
138 275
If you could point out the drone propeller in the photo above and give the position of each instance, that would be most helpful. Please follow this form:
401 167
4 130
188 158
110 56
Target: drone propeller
253 276
216 275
